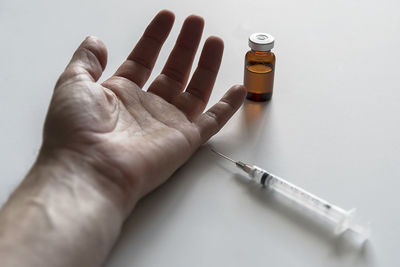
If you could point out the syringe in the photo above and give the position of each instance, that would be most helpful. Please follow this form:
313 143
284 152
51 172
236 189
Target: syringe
342 219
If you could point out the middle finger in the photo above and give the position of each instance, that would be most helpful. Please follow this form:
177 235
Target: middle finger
175 73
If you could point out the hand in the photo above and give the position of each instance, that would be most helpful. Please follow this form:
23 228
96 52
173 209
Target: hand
138 138
106 145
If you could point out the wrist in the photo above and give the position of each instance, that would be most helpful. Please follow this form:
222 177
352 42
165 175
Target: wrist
63 204
65 167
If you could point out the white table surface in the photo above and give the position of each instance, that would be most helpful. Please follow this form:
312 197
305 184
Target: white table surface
332 127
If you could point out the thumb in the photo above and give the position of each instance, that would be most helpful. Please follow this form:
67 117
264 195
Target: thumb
87 63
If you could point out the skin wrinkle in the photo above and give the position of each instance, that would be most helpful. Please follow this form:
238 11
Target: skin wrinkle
113 122
121 184
139 98
120 181
196 93
131 64
190 144
172 72
81 66
140 123
94 73
211 71
72 76
175 75
164 81
95 164
138 60
100 164
212 115
108 93
97 48
121 127
177 83
223 101
163 124
187 48
114 113
158 41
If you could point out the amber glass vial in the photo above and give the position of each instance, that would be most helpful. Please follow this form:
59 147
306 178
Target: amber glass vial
259 67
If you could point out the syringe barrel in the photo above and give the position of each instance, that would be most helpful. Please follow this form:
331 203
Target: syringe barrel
301 196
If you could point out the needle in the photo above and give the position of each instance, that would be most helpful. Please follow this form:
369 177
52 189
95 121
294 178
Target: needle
222 155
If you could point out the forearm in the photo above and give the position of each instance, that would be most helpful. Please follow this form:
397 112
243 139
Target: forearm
63 214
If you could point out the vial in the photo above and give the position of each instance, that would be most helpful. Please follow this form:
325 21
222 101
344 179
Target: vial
259 67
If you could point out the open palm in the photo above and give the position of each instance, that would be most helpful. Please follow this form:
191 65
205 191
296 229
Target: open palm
139 138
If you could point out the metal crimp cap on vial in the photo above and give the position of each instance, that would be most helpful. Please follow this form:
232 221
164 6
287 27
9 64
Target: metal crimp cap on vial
261 41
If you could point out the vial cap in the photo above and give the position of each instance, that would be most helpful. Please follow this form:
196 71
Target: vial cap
260 41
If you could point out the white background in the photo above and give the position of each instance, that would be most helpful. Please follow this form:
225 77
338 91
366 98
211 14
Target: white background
332 126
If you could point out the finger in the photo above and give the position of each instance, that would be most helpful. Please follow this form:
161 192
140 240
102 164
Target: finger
175 73
210 122
87 63
193 101
139 64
